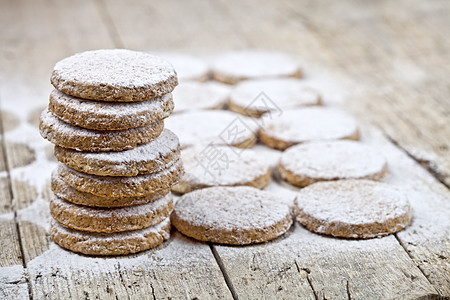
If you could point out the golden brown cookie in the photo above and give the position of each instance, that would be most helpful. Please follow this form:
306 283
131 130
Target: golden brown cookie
255 97
68 193
98 115
216 126
353 208
119 243
200 95
120 186
215 165
233 67
110 219
114 75
305 125
304 164
145 158
68 136
231 215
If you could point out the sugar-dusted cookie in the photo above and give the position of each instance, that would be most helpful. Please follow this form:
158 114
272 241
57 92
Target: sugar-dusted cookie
304 164
305 125
145 158
99 115
114 75
189 68
68 193
68 136
119 243
233 67
216 126
110 219
256 97
215 165
353 208
120 186
198 95
231 215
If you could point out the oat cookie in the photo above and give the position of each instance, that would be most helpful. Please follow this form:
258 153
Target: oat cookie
233 67
110 219
217 126
198 95
99 115
215 165
255 97
304 164
114 75
68 136
353 208
231 215
305 125
145 158
120 186
68 193
119 243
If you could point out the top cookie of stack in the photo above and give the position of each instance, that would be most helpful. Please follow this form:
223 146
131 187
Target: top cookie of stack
91 90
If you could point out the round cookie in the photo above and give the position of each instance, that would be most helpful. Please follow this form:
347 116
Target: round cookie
233 67
114 75
215 126
119 243
353 208
108 186
68 193
68 136
304 164
99 115
255 97
231 215
198 95
189 68
216 165
306 124
145 158
110 219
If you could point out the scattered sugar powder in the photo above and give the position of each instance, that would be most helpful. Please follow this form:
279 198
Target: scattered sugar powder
37 213
13 284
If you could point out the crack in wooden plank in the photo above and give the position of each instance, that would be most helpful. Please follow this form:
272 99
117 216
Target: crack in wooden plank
307 271
428 165
348 291
224 272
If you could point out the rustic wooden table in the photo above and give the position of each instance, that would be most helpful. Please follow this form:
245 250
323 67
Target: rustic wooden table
390 60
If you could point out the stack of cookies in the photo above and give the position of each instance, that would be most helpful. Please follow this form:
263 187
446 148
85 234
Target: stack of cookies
117 162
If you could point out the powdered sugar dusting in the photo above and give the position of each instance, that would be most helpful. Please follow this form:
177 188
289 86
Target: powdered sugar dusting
353 202
254 64
310 124
157 149
115 67
231 208
118 212
197 95
285 93
111 237
13 283
333 160
203 127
